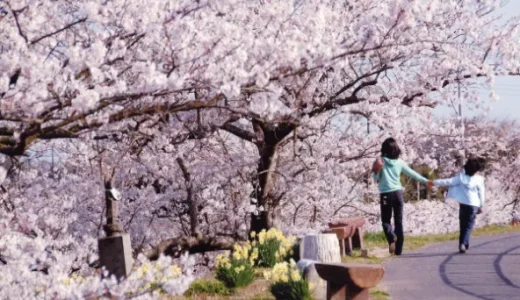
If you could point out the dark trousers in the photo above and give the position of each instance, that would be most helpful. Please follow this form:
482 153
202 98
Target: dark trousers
467 215
393 202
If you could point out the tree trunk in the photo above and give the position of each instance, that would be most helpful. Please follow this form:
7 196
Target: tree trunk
192 201
265 170
267 139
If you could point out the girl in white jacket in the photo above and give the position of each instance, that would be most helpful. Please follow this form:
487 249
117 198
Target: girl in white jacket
468 189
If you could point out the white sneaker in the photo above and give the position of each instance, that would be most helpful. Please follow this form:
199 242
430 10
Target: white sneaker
462 248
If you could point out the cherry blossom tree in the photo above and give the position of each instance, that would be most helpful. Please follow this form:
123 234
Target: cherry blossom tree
200 107
407 61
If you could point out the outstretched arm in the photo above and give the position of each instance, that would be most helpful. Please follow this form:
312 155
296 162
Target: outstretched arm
408 171
446 182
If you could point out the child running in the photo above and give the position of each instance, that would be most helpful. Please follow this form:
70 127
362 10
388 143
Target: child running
387 172
468 189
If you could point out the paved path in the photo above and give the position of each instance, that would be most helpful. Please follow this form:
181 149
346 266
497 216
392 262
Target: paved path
489 270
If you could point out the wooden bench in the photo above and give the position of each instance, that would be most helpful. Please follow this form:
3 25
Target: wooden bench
349 232
349 281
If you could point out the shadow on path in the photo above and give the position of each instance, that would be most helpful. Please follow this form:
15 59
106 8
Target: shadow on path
470 288
498 269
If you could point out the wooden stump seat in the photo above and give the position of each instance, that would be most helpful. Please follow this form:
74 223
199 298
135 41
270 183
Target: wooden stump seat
344 235
355 222
349 232
349 281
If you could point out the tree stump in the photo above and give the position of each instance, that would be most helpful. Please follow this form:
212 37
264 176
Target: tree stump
315 249
349 281
320 247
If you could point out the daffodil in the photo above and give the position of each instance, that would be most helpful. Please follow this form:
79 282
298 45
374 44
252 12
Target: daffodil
295 275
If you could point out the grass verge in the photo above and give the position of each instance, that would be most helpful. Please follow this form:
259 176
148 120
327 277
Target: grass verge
356 257
379 294
208 287
212 289
378 240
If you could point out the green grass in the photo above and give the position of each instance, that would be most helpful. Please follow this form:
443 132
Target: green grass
375 239
206 289
209 287
378 294
378 240
356 257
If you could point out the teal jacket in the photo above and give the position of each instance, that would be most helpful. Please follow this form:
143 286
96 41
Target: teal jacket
389 178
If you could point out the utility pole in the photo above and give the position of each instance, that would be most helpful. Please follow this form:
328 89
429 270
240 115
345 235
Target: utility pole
462 128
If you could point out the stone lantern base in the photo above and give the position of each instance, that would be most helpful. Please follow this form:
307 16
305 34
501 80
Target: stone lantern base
115 254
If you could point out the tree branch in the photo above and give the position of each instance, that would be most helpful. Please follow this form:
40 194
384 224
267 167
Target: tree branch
70 127
241 133
58 30
15 15
353 83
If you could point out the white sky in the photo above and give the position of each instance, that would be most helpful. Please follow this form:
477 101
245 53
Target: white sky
508 87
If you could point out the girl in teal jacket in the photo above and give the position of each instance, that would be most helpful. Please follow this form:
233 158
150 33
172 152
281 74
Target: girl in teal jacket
387 172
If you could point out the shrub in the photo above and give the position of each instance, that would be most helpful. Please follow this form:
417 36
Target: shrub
237 270
272 247
208 287
291 290
288 283
295 255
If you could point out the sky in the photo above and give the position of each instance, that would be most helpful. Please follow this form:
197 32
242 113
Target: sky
507 87
507 107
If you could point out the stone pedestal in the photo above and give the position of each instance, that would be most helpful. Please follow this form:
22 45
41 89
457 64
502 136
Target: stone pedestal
318 248
115 254
318 285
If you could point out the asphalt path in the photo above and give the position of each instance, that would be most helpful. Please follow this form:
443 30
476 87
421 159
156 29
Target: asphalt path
489 270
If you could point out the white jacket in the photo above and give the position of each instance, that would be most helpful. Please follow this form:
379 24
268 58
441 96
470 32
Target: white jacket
465 189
